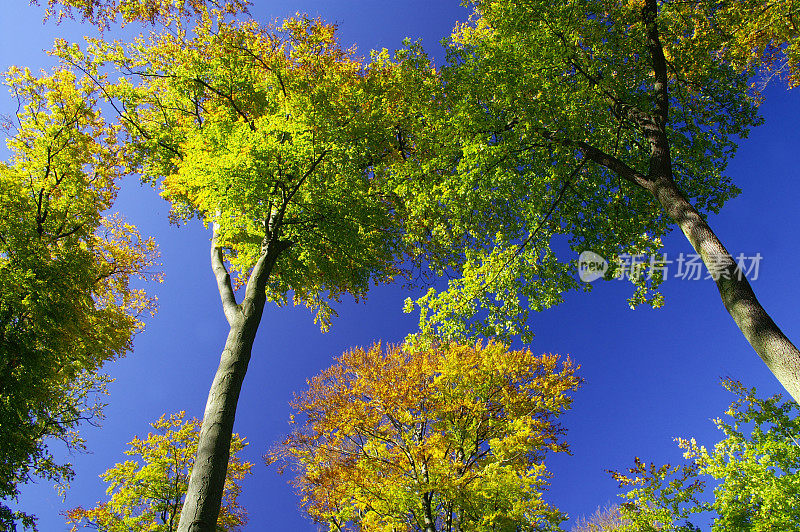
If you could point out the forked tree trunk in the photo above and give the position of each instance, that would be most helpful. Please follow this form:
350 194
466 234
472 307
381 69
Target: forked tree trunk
207 481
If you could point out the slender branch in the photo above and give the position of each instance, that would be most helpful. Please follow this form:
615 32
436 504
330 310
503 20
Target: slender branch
564 187
604 159
229 98
229 305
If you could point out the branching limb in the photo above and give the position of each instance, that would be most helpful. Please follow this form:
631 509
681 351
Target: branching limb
229 305
604 159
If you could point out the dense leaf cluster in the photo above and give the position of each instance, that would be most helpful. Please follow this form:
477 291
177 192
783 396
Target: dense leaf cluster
147 493
756 470
66 301
445 438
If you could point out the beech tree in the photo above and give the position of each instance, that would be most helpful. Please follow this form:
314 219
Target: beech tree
66 301
756 465
661 497
444 438
149 495
269 134
601 120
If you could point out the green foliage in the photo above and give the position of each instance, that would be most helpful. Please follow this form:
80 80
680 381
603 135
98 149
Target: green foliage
148 495
445 438
269 132
66 304
541 139
661 496
757 465
752 35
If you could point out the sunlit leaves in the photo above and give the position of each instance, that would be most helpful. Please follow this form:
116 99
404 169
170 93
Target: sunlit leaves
457 432
67 305
147 492
530 89
661 497
753 35
756 468
758 463
267 131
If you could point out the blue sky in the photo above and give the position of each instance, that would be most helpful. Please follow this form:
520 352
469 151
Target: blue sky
650 375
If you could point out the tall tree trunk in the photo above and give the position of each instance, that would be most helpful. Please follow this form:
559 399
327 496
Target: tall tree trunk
207 481
430 523
766 338
204 494
768 341
427 497
774 348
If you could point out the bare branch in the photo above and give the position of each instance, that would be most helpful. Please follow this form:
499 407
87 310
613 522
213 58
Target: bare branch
229 305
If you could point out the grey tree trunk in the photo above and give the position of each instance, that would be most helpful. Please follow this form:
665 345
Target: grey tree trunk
768 341
207 481
430 523
766 338
204 495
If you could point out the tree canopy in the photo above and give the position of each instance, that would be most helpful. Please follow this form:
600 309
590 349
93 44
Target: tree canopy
270 133
446 438
750 34
605 122
147 493
105 13
265 130
67 303
755 469
600 123
542 130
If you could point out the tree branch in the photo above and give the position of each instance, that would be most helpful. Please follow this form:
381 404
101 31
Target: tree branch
229 305
604 159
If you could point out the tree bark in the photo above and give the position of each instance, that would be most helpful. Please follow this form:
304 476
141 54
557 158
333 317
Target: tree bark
768 341
430 523
207 480
766 338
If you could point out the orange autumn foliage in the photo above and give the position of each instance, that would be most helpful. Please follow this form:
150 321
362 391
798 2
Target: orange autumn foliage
452 437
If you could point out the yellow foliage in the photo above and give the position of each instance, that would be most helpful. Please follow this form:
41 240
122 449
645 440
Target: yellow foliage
451 431
149 495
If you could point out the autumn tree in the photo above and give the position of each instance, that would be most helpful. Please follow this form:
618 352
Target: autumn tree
269 134
443 438
760 34
602 121
147 493
66 301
